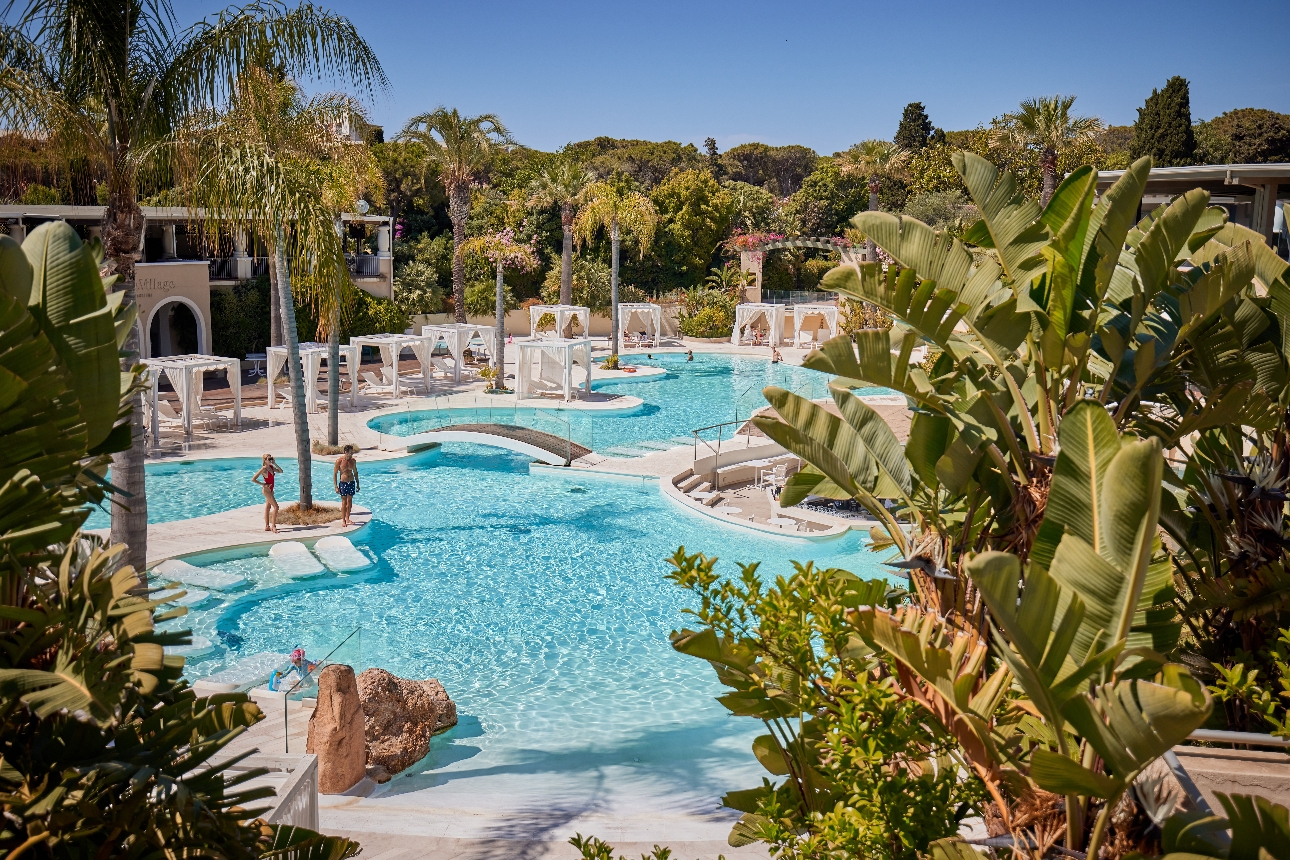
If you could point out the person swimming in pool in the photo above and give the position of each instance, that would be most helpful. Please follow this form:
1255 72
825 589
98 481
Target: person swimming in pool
689 355
345 479
264 477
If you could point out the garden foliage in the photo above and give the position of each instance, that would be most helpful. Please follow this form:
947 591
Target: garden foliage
105 751
1054 557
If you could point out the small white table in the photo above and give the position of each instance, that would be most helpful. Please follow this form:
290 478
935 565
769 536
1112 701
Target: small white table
257 359
728 509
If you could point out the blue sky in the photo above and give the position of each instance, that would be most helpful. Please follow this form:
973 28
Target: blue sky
823 74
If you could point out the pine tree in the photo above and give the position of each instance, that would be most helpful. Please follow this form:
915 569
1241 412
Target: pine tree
915 128
1163 129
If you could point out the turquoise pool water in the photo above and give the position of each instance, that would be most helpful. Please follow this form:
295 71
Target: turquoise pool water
713 388
539 601
193 488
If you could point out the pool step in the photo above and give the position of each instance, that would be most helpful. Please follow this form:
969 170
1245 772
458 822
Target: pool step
704 487
690 483
627 452
681 440
655 445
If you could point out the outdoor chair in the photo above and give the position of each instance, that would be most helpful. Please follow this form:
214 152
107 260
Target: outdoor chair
374 385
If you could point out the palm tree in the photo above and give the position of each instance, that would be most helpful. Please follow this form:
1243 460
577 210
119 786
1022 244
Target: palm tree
614 206
1046 124
503 252
274 167
460 147
104 80
562 184
875 160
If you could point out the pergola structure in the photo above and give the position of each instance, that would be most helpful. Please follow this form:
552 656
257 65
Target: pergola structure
391 347
651 313
562 314
749 312
457 336
311 356
829 313
185 373
555 360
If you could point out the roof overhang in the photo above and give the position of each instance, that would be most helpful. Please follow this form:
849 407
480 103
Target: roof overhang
1228 180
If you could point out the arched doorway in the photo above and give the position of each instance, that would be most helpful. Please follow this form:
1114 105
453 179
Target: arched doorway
175 327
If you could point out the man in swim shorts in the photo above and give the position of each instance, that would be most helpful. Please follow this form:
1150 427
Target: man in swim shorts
345 479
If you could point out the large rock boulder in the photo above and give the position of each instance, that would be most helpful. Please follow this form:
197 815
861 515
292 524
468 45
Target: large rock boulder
336 731
401 716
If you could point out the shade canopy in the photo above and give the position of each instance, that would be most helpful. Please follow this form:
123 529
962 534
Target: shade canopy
457 336
749 312
651 314
800 313
186 373
391 346
554 361
312 355
562 314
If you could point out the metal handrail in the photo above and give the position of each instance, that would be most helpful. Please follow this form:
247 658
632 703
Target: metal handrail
309 673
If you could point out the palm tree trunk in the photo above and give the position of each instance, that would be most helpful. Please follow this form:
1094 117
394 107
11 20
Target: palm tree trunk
122 235
130 515
296 373
499 349
458 210
870 248
275 309
1048 164
566 264
333 377
613 289
566 256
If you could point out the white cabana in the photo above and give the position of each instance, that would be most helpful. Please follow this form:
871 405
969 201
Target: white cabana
651 315
312 355
748 313
829 313
555 360
562 314
457 336
391 347
186 373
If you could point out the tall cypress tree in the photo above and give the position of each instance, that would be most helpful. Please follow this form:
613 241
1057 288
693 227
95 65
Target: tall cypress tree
1163 129
915 128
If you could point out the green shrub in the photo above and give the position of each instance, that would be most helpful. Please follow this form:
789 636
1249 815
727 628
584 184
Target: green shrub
481 299
591 286
368 314
416 288
240 318
811 271
709 322
41 195
835 719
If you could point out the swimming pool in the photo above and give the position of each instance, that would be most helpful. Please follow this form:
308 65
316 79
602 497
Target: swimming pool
539 601
185 489
711 389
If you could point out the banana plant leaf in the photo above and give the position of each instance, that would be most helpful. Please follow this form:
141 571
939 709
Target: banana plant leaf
69 301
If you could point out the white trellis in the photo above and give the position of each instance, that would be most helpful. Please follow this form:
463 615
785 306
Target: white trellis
457 336
651 313
185 373
750 312
312 355
555 361
829 313
391 346
562 314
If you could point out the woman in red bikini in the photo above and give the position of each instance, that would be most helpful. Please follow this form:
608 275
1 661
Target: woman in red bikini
268 468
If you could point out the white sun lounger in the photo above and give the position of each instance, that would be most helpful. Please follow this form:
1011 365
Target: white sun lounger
295 560
200 647
338 553
192 597
243 674
210 578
